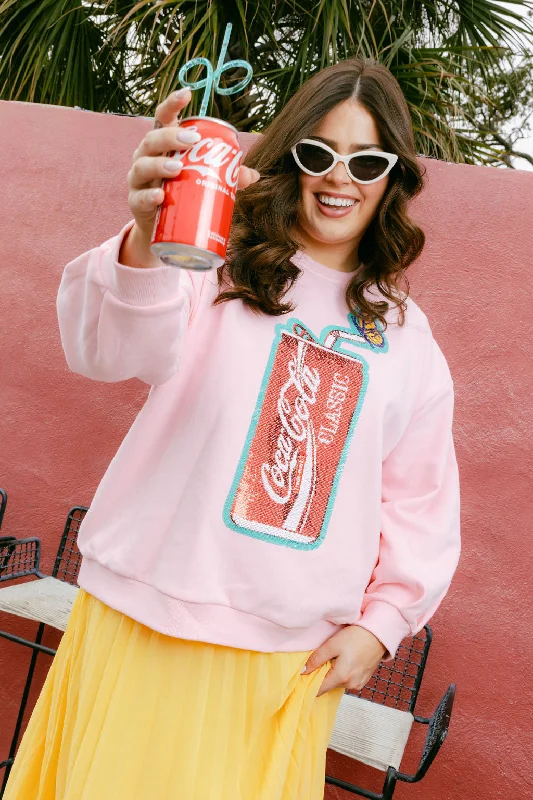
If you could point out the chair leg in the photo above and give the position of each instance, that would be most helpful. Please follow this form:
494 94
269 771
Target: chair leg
390 784
22 709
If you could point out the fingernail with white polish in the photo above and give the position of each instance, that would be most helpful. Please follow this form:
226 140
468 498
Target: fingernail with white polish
304 670
173 165
189 137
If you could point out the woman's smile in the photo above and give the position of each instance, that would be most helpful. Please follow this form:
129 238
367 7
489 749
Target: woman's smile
333 204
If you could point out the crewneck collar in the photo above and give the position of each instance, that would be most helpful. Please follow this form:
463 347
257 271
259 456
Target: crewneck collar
305 262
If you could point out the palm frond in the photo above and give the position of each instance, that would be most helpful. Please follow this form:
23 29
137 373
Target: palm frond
449 56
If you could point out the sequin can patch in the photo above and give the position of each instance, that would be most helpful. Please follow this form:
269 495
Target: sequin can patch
285 484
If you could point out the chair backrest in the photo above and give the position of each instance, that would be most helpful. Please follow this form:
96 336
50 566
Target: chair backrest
68 559
19 558
396 683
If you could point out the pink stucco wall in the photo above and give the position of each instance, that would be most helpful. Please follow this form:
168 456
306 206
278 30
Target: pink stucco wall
63 191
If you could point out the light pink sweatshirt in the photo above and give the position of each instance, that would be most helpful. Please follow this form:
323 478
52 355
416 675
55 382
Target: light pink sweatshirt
286 475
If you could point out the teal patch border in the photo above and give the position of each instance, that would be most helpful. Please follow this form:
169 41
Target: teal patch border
266 537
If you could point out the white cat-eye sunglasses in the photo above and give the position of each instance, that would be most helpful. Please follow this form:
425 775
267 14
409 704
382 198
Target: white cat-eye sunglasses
365 166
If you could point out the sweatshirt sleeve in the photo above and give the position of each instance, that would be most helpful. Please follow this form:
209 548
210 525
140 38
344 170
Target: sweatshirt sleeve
118 322
420 535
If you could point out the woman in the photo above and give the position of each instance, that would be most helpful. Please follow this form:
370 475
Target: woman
284 509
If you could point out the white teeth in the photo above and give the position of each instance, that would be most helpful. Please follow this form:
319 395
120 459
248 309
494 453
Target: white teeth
335 201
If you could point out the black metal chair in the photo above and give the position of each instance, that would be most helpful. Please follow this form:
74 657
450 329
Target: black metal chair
47 600
373 725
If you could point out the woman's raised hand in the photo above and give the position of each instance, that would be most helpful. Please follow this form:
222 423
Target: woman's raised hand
151 164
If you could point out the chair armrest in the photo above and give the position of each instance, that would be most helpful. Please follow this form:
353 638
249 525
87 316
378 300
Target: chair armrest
19 557
437 732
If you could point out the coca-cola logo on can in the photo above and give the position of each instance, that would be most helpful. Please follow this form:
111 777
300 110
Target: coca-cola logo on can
213 159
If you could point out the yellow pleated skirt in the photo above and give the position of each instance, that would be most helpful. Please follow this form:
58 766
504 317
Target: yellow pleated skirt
127 713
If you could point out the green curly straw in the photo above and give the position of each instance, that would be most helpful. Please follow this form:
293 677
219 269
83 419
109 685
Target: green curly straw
214 77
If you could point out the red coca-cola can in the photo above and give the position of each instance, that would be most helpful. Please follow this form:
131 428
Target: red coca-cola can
193 222
286 482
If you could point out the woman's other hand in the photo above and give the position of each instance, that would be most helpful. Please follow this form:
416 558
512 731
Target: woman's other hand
354 653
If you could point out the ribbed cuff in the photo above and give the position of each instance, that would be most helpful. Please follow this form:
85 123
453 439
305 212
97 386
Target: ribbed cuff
385 622
138 287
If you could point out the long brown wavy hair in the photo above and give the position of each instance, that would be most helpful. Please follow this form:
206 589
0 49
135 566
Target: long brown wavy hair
258 269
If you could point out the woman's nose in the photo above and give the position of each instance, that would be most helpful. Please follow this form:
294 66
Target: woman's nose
339 175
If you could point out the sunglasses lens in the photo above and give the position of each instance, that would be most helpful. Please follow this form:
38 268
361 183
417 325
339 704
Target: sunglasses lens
313 158
368 168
